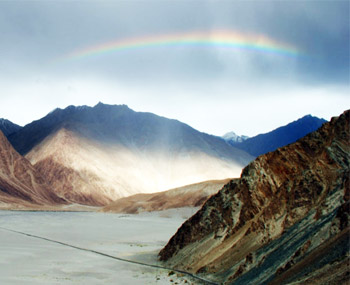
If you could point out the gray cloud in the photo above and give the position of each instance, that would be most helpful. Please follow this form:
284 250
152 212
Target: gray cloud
35 32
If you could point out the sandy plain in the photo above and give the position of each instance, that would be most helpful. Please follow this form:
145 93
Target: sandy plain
29 259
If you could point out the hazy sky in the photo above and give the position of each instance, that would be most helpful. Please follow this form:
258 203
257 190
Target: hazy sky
213 88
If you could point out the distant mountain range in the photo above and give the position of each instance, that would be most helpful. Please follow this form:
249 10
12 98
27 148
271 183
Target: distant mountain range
285 221
282 136
95 155
8 127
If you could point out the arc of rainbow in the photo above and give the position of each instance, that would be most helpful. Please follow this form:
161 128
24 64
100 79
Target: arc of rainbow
219 39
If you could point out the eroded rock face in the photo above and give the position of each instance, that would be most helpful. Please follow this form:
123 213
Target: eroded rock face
20 183
288 206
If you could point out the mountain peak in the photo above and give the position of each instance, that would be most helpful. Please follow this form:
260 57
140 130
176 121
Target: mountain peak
7 127
309 116
233 137
101 104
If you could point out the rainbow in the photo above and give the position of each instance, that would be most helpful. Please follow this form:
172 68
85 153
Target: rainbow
216 39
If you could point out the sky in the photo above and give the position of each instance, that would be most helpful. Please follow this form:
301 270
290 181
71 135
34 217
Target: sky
219 66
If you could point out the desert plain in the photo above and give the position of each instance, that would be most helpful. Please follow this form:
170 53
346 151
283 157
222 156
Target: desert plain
54 247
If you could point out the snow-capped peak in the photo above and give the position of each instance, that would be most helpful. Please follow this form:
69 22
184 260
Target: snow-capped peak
233 137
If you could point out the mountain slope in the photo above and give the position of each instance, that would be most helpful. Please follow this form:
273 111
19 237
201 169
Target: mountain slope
96 155
193 195
8 127
282 136
20 183
286 219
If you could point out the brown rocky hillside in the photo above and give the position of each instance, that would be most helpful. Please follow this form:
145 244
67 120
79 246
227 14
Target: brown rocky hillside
21 185
285 220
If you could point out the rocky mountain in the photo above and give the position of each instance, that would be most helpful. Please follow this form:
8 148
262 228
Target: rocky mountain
95 155
21 185
8 128
193 195
232 137
285 220
282 136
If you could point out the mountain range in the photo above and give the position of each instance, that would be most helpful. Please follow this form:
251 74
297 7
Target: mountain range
285 221
282 136
95 155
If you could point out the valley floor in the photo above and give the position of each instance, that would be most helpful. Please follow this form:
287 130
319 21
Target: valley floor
29 259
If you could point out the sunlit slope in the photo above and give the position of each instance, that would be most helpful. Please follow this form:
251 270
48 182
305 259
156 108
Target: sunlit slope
87 172
116 152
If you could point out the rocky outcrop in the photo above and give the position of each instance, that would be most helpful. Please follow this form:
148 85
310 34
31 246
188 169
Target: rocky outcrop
193 195
285 218
20 183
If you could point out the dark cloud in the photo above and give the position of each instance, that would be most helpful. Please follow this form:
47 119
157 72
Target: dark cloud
320 29
35 32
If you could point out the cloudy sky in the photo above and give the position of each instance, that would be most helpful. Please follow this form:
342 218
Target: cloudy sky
246 66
